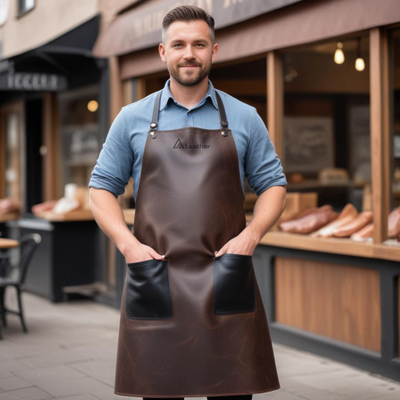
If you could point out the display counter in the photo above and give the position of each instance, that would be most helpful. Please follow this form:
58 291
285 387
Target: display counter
66 256
334 297
5 218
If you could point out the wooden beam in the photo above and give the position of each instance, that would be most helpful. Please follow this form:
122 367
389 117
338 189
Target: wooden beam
141 91
275 100
116 89
127 92
380 132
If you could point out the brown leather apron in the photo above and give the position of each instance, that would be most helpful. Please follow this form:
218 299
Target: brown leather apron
193 325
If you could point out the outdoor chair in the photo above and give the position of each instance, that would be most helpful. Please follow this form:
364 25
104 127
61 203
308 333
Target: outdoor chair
16 275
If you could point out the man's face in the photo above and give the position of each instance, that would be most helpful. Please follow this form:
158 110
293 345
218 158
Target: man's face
188 51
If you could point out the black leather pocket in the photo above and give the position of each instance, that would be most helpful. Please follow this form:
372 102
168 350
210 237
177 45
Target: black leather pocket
234 284
148 290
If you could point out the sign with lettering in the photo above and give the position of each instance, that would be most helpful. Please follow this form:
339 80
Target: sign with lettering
80 144
32 81
140 28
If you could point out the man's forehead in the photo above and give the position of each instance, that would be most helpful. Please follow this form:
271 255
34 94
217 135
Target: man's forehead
197 29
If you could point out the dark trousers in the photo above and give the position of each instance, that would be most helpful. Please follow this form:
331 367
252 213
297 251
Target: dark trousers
238 397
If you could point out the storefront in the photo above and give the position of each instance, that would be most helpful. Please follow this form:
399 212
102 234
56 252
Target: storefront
325 78
54 116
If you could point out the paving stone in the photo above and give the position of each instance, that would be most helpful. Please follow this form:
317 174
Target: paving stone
61 387
12 383
11 366
51 360
31 393
277 395
79 397
63 372
102 370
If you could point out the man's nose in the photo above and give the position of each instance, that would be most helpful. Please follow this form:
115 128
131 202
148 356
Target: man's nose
189 52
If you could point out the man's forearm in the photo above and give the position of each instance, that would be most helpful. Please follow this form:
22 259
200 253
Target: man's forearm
110 218
267 210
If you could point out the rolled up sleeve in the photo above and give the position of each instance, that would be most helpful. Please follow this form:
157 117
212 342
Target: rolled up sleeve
114 165
263 168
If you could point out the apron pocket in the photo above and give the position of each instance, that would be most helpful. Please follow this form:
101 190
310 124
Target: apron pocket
148 290
234 284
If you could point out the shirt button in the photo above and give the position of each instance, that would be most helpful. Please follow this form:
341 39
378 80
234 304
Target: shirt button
189 113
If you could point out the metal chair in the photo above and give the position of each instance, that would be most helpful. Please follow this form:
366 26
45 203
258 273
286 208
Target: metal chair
16 276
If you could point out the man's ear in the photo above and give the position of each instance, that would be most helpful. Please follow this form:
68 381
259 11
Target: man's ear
161 51
214 52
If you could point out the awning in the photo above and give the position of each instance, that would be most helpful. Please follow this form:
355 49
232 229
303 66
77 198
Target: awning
140 28
302 23
55 65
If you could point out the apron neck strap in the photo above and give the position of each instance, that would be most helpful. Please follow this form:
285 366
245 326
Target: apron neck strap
221 109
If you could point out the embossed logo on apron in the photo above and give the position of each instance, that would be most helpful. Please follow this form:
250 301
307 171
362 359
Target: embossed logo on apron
179 145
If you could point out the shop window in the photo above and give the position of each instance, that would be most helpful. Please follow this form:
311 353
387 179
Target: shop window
234 78
326 124
80 140
10 157
395 118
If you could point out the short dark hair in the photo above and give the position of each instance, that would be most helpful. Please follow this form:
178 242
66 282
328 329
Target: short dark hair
187 13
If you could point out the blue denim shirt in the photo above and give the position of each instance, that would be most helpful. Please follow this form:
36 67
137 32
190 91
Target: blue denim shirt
122 152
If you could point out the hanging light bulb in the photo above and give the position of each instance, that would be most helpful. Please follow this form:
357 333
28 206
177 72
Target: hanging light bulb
339 55
360 64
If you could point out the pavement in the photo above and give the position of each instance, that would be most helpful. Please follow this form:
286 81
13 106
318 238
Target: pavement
70 348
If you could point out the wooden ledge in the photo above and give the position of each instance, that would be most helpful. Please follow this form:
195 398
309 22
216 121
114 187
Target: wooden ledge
77 215
385 251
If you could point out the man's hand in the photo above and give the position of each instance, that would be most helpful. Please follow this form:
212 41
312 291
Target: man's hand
141 252
244 244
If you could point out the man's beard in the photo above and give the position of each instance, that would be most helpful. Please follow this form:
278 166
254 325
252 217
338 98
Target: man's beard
190 80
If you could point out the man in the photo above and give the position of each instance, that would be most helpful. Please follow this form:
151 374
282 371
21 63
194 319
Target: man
192 319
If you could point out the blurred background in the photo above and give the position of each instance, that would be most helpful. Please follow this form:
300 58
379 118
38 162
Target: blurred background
324 77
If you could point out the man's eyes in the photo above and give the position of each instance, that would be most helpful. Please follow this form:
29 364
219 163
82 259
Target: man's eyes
198 44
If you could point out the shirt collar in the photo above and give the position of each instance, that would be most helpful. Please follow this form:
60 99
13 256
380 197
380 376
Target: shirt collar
166 95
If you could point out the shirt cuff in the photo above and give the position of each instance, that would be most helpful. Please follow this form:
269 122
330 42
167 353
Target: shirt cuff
281 181
104 186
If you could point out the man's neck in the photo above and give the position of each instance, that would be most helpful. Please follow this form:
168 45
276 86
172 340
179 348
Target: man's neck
188 96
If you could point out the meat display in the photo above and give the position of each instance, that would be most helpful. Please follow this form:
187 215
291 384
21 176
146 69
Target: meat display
45 206
310 220
353 226
348 213
324 222
8 205
363 234
394 223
